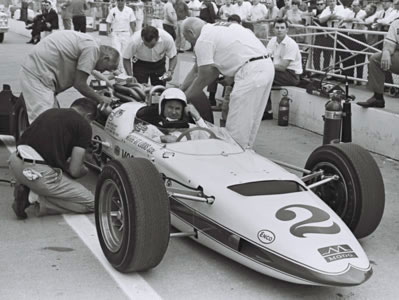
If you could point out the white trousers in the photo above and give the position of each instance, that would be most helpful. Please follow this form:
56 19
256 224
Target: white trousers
248 99
119 41
38 96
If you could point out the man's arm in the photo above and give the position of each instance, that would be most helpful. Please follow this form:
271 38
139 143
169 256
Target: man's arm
76 167
282 66
387 52
189 78
127 65
80 83
132 26
206 75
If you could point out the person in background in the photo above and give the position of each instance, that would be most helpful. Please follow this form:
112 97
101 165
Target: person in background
271 16
353 20
49 158
182 12
287 60
170 18
158 14
148 50
78 8
47 21
194 6
226 10
121 23
295 16
380 64
66 15
208 12
139 13
243 9
322 40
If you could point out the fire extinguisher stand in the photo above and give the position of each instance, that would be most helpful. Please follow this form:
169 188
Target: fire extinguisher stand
346 133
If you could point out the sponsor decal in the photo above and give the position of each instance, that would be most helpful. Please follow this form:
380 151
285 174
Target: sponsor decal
338 252
305 226
266 236
117 150
140 144
140 127
116 114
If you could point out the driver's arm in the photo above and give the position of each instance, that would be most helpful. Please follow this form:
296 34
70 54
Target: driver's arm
190 110
80 83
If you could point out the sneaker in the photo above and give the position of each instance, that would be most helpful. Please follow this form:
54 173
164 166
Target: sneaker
21 201
267 116
372 102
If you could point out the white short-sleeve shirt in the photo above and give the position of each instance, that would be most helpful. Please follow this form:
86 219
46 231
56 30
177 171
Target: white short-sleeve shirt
258 12
227 46
393 34
288 49
339 10
120 20
164 47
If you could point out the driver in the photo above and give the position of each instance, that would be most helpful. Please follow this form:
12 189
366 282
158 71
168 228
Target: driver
174 115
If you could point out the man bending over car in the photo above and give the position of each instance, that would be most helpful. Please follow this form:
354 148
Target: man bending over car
49 157
173 117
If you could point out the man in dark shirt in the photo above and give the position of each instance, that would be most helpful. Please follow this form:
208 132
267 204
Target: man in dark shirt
46 21
49 156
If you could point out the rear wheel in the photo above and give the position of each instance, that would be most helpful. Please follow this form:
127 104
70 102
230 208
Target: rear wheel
132 214
358 196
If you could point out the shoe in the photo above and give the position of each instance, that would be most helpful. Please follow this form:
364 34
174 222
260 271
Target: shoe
35 41
30 42
21 201
267 116
180 51
372 102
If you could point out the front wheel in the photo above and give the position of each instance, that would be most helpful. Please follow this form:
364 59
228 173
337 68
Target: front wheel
19 118
132 214
358 196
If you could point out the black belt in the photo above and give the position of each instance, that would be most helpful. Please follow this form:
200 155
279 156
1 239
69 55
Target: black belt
31 161
257 58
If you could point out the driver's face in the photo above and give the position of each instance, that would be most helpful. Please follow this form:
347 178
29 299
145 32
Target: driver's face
173 109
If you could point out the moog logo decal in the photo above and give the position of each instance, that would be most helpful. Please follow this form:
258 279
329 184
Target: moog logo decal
266 236
301 228
337 252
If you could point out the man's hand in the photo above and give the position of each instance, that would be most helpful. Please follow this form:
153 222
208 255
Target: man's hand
131 80
48 25
167 76
226 81
168 138
386 60
191 110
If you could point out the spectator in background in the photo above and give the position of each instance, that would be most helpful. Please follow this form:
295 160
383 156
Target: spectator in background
258 15
226 10
294 15
219 4
194 6
207 12
322 40
283 10
352 20
287 60
243 9
271 16
47 21
158 14
371 15
380 64
182 12
170 18
78 8
387 9
66 15
121 23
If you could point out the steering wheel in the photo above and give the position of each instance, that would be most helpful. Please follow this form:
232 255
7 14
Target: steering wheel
188 131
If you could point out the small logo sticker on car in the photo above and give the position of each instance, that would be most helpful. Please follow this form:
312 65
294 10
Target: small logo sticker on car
266 236
337 252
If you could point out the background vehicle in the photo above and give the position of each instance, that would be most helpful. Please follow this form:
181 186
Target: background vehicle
3 22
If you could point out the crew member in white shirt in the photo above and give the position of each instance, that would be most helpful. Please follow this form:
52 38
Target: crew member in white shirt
236 53
121 22
243 10
226 10
148 50
194 7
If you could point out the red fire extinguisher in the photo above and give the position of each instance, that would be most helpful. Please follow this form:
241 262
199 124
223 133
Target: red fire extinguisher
284 111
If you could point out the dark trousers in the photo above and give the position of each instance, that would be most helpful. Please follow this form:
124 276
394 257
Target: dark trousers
79 23
356 59
324 41
377 76
144 70
171 30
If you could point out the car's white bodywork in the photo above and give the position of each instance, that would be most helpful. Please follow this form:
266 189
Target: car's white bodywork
290 234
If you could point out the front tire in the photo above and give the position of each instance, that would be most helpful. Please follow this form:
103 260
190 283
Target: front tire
358 196
19 117
132 214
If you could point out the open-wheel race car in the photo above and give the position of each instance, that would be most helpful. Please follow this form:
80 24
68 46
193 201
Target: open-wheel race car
299 229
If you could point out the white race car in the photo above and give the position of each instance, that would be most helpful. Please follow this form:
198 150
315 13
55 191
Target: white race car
230 199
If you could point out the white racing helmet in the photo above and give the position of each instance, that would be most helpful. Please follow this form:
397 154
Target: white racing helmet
171 94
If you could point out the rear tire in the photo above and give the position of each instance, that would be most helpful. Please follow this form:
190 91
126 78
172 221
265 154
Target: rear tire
358 197
132 214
